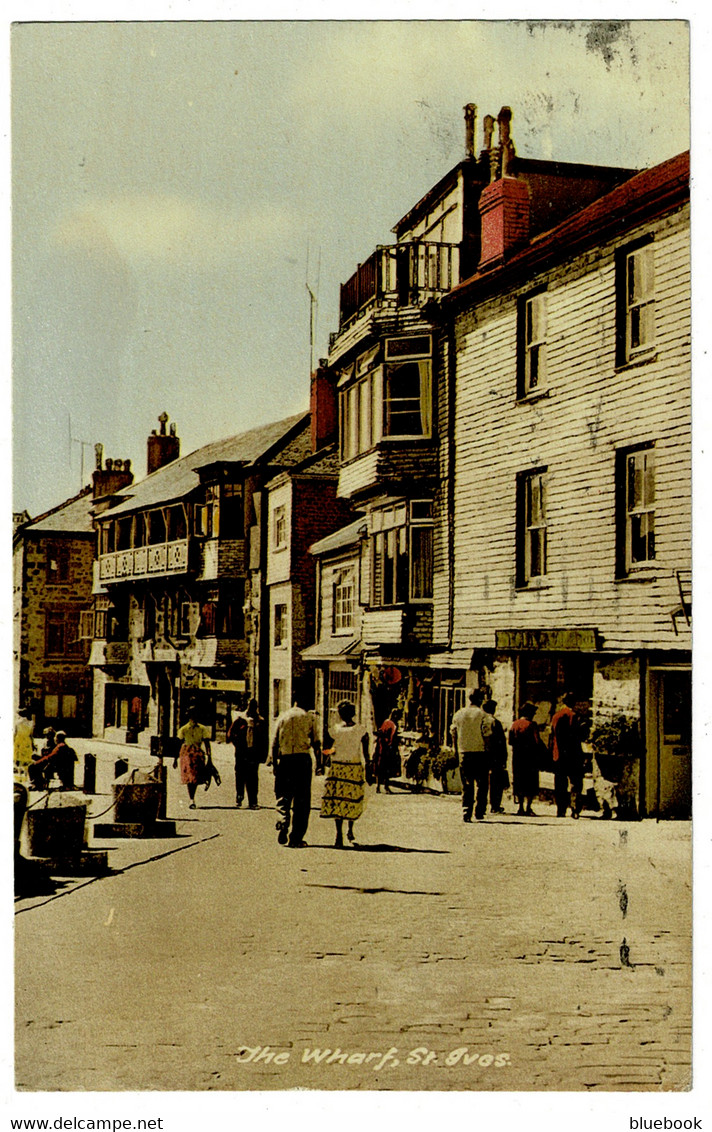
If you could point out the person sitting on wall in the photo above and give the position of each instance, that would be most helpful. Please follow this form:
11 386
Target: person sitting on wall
63 758
59 760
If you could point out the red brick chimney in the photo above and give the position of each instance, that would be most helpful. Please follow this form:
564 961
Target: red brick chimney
324 409
109 476
163 447
504 203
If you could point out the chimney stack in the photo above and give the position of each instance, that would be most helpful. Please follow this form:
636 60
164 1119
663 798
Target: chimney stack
163 448
504 203
470 129
109 476
324 409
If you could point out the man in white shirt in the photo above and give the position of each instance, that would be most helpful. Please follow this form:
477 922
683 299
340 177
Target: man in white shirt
468 730
294 739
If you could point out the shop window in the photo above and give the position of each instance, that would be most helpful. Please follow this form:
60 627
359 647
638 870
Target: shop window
635 302
635 489
342 686
531 526
531 354
59 706
280 626
57 563
344 597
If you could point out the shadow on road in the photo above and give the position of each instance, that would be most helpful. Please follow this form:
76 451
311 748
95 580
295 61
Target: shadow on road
382 848
375 891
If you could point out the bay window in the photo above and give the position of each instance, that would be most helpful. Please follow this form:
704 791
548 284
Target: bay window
391 399
402 553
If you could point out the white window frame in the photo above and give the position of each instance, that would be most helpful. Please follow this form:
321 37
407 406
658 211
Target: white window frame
535 339
534 525
279 527
343 600
280 625
642 510
639 301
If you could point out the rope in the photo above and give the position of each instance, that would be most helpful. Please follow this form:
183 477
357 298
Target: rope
116 873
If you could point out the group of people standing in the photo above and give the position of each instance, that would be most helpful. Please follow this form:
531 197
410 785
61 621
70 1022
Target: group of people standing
479 742
296 753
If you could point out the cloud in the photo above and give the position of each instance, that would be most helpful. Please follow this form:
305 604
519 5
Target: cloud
172 230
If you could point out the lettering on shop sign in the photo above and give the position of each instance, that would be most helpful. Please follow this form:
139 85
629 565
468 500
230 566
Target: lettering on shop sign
548 640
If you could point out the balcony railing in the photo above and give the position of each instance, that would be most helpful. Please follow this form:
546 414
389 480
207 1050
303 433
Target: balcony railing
144 561
405 274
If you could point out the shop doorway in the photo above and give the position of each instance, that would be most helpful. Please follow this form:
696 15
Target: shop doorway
668 779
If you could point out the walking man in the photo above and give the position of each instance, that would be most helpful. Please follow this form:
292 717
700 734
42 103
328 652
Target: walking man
469 744
496 751
247 735
294 740
565 746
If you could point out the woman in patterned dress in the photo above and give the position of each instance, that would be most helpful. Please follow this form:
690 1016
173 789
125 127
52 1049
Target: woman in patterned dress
192 759
345 785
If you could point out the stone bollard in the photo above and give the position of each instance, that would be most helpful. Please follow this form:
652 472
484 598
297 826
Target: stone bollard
89 773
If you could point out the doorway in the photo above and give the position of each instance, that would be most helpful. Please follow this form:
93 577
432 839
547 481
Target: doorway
668 780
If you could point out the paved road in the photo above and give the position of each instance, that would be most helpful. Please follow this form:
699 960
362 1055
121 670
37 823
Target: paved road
515 954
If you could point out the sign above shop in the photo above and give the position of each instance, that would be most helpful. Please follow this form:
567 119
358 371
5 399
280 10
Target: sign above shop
211 684
547 640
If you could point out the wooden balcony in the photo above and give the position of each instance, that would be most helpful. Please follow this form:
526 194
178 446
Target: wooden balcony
401 275
144 562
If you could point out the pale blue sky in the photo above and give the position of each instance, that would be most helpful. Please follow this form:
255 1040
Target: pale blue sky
173 181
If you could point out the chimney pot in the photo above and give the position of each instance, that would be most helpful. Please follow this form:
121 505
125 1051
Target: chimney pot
470 129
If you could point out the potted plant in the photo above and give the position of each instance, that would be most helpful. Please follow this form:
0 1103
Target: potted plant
616 746
444 767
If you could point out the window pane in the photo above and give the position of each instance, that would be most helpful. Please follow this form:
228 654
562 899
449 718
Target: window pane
51 706
377 404
402 567
365 412
422 562
388 579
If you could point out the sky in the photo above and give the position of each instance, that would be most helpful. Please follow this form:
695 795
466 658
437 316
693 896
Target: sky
176 186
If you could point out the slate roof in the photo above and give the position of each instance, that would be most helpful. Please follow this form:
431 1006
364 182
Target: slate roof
74 516
179 478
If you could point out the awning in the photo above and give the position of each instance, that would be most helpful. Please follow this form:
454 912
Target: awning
334 648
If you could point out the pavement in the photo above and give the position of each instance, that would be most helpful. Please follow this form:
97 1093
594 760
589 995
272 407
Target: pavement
511 954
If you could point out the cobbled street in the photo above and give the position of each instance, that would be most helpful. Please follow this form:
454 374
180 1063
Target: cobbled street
513 954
